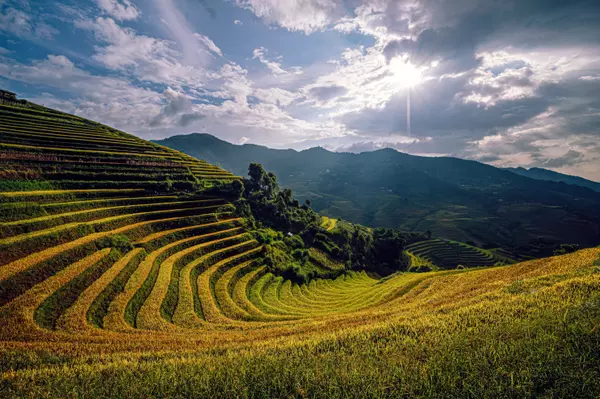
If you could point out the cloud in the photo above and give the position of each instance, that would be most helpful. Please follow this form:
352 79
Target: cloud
147 58
24 25
122 10
570 158
274 67
243 140
238 22
182 34
279 97
112 100
209 44
176 104
324 93
296 15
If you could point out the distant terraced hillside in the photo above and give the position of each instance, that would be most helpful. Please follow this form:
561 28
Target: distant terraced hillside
43 149
448 254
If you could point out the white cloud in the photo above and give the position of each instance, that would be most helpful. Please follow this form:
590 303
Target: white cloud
235 83
112 100
21 24
280 97
120 9
274 67
209 43
183 34
238 22
296 15
244 140
363 79
147 58
383 19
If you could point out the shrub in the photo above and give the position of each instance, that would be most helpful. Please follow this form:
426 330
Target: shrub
117 241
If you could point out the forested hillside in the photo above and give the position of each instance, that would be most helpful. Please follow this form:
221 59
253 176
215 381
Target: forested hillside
453 198
550 175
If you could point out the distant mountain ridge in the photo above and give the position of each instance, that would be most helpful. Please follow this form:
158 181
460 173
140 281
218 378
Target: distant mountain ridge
453 198
550 175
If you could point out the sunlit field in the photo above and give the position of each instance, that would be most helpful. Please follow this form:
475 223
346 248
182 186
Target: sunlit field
512 331
116 282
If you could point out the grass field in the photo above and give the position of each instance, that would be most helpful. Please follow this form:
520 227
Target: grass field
130 292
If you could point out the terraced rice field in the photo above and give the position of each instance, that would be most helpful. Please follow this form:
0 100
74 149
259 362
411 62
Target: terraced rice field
450 254
125 291
193 313
328 223
67 152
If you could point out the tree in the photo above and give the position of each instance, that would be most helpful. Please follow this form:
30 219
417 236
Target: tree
428 232
271 206
387 249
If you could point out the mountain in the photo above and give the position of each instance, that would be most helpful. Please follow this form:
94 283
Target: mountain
121 277
453 198
550 175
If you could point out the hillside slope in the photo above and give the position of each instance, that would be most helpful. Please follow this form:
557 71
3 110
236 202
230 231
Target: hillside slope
45 149
550 175
457 199
123 280
530 329
450 254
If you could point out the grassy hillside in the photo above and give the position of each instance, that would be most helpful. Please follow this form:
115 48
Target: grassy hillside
118 282
456 199
526 330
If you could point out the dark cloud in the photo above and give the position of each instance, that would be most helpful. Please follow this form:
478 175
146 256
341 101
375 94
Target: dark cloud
176 104
465 98
187 119
440 106
453 31
570 158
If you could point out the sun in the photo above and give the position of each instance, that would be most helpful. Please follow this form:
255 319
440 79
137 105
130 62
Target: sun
405 74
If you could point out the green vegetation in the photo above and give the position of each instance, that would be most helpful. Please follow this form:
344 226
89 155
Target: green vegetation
328 223
456 199
231 288
263 204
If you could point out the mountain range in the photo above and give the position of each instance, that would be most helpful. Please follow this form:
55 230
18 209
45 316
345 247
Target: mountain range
550 175
527 211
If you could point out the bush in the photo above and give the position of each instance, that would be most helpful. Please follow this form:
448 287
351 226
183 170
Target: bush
116 241
294 242
266 236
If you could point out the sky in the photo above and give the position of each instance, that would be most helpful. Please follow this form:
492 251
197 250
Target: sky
509 83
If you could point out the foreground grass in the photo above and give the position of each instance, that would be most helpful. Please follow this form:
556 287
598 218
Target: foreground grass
533 338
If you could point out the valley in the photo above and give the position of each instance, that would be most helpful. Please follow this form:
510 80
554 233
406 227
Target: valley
455 199
127 270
